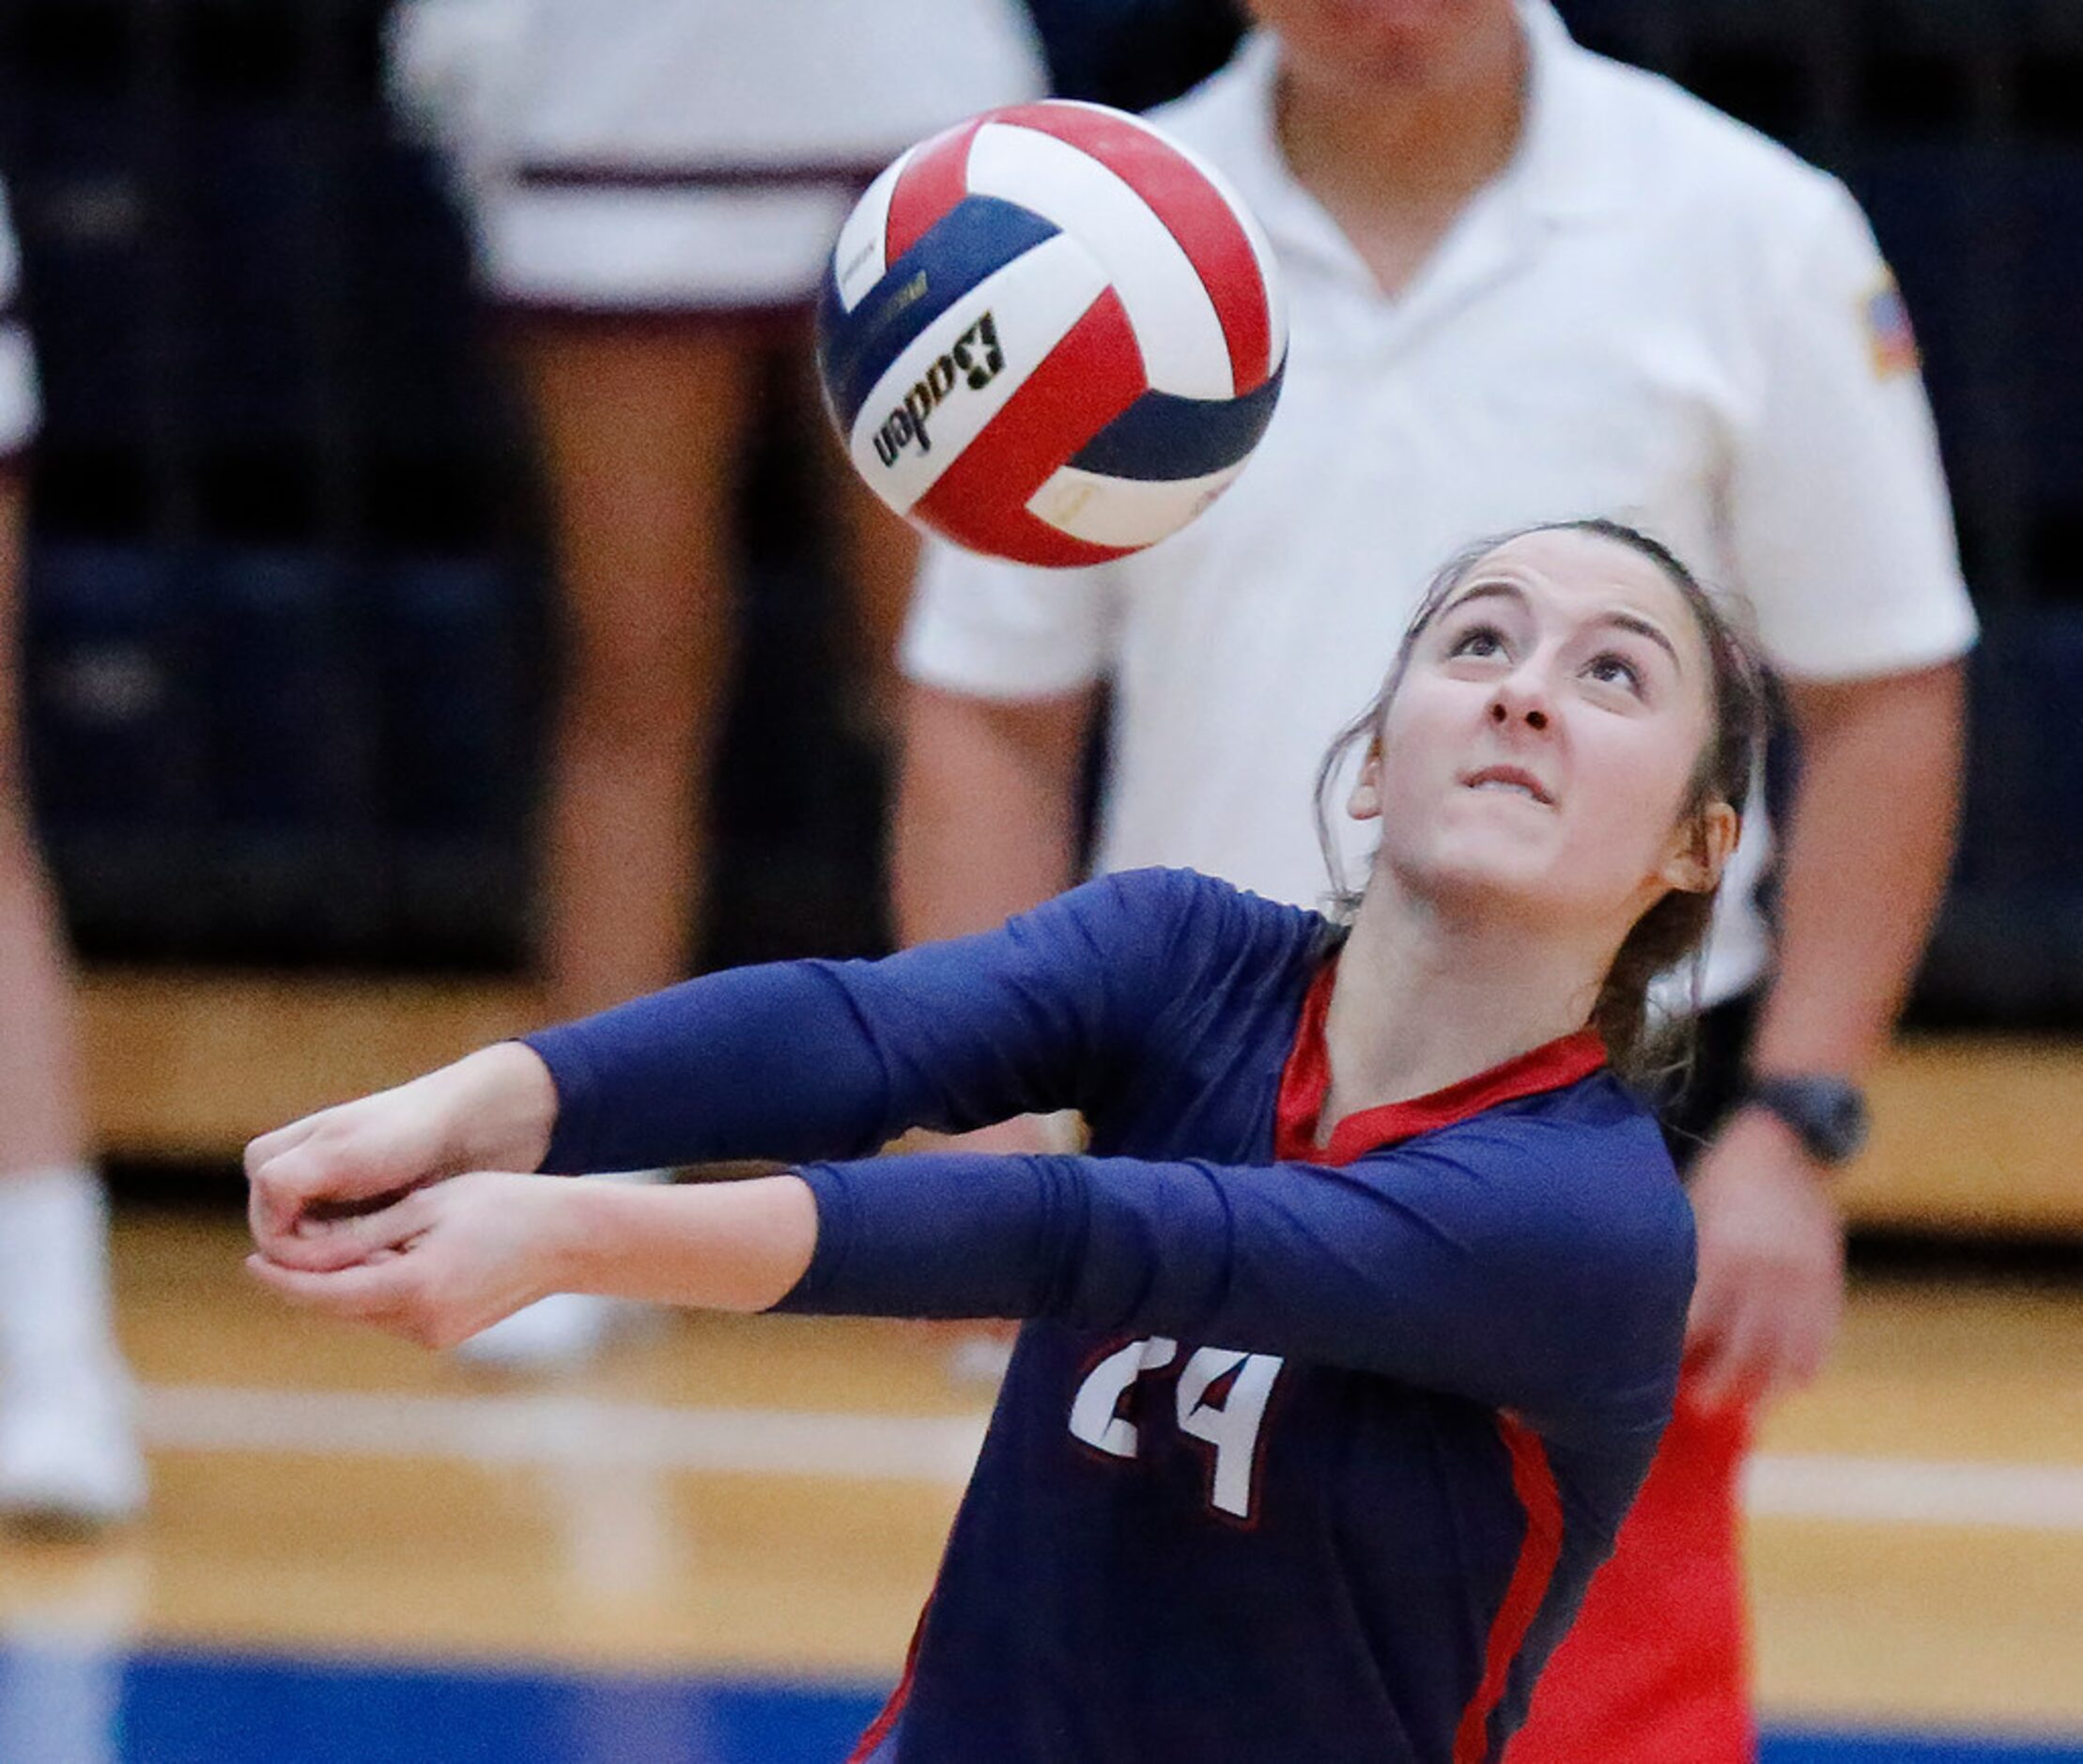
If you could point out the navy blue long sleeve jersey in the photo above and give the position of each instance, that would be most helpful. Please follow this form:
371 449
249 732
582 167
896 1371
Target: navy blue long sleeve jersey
1306 1452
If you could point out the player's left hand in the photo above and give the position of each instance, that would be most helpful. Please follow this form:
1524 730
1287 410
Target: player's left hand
1770 1293
439 1263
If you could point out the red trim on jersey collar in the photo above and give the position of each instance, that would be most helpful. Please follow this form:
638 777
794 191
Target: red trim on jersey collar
1306 1079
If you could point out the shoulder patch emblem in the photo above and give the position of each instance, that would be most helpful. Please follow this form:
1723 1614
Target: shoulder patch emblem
1889 339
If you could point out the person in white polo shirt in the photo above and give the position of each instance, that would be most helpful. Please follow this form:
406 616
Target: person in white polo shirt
656 186
68 1454
1525 284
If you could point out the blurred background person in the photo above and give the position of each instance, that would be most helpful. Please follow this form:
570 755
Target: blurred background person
1526 284
67 1455
657 184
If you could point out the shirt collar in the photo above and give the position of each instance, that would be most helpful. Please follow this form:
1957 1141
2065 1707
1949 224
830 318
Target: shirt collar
1305 1080
1564 169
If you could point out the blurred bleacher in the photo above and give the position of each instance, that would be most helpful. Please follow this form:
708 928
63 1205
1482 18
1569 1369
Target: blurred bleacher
288 618
281 613
288 626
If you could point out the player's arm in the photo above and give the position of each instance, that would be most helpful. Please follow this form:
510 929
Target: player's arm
441 1262
783 1062
1500 1276
1524 1268
986 822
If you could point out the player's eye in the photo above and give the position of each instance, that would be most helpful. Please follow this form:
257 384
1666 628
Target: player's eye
1610 668
1477 641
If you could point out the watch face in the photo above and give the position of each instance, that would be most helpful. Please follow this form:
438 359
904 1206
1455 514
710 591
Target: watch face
1844 1124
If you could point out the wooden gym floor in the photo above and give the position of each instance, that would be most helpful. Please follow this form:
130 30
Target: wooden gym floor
766 1498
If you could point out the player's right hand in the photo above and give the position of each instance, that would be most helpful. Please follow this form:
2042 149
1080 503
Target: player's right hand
494 1108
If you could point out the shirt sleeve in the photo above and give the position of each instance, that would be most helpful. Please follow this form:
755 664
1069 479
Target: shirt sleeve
992 629
808 1060
1522 1266
1840 522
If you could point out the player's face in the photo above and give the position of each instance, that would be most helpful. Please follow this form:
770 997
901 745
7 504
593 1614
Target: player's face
1353 43
1540 749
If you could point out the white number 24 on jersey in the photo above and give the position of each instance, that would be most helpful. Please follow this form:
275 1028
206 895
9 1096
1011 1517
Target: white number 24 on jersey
1230 1421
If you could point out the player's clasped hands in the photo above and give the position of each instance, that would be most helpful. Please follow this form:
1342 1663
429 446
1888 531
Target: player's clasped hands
392 1211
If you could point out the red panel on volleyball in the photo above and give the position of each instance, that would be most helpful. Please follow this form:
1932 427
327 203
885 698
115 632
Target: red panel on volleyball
933 182
1084 384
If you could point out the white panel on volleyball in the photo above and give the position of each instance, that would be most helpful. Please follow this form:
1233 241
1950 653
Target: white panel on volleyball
1175 324
858 255
1032 302
1254 235
1124 511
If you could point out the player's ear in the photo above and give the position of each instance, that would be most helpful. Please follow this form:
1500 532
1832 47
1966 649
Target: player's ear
1365 804
1700 848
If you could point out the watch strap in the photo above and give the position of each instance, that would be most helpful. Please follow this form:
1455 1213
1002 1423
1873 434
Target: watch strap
1826 1111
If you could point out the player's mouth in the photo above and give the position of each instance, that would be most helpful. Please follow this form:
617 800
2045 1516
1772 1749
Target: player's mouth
1515 780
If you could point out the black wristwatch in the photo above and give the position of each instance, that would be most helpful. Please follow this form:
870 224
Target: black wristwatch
1827 1113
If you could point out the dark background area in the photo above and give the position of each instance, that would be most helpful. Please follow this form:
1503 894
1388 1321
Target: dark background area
290 638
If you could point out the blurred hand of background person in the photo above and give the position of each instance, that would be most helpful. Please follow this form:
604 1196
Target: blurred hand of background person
1770 1291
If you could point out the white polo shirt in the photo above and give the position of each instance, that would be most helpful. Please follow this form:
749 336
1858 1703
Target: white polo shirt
1653 314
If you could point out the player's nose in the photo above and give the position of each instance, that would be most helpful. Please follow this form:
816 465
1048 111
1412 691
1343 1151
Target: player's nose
1520 700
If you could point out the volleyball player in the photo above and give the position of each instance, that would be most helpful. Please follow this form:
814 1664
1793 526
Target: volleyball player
1353 1337
69 1455
1523 281
657 184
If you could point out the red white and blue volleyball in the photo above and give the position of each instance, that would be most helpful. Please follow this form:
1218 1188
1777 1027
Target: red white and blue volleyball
1051 334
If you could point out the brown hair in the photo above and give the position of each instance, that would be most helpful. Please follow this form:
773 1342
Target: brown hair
1676 927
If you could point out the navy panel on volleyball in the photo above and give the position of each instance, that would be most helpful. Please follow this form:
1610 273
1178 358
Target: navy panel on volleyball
974 239
1051 334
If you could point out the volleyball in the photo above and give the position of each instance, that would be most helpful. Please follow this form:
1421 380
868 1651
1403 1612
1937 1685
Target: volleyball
1051 334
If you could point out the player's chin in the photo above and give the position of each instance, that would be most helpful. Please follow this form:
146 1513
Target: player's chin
1494 879
1491 845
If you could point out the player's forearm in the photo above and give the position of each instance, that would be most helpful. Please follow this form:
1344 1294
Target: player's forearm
737 1246
795 1062
1435 1270
770 1062
985 823
1864 863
